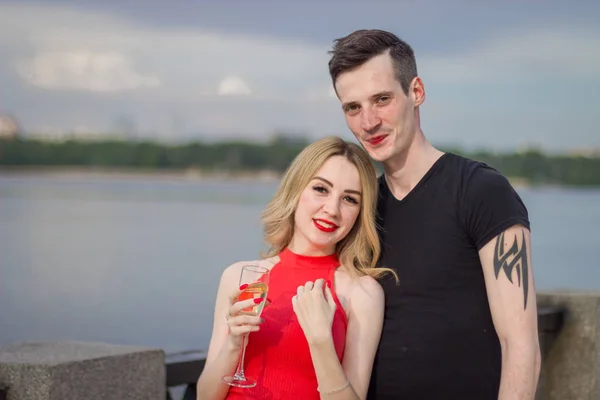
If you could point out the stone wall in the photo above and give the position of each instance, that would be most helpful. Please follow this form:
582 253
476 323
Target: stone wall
571 365
94 371
77 371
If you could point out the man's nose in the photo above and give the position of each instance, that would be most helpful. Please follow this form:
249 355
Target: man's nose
370 121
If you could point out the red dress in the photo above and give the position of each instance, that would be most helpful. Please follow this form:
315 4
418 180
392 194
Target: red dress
277 356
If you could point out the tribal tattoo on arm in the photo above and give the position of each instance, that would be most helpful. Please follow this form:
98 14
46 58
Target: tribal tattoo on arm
518 262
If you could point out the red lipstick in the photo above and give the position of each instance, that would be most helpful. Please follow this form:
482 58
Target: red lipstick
324 225
376 140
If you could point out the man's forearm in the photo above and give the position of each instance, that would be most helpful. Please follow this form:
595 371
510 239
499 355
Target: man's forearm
520 371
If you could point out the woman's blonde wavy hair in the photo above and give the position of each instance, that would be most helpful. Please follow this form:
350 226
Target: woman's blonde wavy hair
360 249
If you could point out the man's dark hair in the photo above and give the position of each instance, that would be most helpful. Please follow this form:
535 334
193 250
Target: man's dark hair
350 52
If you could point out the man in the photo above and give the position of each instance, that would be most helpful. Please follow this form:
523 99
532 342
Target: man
462 323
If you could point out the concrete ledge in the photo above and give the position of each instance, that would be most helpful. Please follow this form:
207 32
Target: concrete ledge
571 368
81 370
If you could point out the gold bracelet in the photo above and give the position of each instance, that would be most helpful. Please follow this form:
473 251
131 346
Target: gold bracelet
336 390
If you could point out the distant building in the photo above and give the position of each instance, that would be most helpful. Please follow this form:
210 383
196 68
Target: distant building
8 127
589 152
79 133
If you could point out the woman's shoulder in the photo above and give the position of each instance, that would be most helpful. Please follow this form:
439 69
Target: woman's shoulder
235 269
367 299
362 289
367 286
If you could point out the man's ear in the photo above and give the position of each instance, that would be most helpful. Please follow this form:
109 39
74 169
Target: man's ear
417 90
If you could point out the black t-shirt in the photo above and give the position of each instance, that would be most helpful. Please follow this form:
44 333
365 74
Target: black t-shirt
438 340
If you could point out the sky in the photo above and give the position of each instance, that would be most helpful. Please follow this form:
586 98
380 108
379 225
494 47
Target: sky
498 74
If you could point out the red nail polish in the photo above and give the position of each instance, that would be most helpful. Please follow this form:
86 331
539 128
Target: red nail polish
258 301
244 286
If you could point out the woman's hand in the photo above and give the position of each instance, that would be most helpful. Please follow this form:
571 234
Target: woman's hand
240 322
314 306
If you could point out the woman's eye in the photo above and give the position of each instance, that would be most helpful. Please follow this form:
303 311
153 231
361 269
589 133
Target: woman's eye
320 189
351 200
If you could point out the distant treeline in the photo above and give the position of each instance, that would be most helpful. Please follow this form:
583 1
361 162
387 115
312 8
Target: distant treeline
532 167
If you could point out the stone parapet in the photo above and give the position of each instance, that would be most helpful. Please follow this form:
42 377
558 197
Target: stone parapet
68 370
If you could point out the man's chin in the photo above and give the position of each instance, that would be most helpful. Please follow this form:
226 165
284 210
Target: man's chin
378 155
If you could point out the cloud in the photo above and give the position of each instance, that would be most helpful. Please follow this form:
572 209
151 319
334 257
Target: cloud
83 70
233 85
220 83
319 94
189 63
522 55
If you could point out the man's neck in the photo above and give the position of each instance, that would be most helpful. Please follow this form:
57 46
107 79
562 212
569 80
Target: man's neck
404 172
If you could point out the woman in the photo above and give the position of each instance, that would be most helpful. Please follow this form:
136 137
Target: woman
319 333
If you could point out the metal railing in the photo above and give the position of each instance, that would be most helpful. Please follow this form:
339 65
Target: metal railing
184 368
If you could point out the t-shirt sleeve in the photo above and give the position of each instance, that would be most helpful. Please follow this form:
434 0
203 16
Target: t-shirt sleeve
490 205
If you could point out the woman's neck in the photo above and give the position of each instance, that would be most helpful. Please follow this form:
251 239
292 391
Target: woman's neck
307 249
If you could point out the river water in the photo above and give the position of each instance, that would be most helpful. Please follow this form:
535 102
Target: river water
137 261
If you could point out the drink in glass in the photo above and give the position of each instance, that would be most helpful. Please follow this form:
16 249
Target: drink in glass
257 279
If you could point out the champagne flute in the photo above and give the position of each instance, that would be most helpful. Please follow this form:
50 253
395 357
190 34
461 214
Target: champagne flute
257 279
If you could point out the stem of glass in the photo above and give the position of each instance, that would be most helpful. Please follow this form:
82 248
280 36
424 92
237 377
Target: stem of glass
239 373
